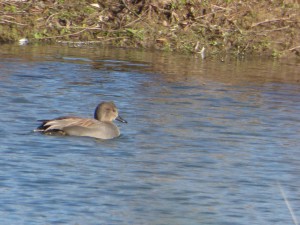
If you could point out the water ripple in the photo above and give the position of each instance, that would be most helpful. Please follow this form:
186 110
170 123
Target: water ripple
206 143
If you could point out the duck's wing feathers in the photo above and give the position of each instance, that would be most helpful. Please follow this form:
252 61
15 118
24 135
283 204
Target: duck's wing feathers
63 122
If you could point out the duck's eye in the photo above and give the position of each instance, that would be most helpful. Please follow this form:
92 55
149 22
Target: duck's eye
114 110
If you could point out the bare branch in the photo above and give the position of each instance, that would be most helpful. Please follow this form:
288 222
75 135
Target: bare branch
270 21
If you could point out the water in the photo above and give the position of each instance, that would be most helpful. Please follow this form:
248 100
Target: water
207 142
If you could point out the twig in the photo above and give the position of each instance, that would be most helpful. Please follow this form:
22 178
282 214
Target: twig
110 39
138 16
88 42
220 7
50 17
265 32
85 28
270 21
127 7
8 21
288 205
278 29
291 49
208 14
75 33
65 35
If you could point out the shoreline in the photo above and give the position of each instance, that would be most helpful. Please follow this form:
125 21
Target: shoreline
269 28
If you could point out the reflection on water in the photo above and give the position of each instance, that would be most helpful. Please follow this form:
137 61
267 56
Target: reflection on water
207 142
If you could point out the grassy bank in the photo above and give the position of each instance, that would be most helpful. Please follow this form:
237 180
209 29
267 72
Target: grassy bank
270 27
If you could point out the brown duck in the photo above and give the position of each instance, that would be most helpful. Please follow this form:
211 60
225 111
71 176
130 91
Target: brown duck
101 126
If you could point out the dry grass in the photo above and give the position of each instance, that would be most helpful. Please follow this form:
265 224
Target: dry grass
269 27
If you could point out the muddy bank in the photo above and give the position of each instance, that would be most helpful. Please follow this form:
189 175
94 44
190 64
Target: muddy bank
270 28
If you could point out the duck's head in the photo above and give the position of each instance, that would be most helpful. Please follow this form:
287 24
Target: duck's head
107 112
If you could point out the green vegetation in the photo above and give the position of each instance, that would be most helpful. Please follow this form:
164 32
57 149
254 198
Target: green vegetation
270 27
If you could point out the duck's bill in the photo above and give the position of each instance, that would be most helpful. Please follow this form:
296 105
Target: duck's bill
119 118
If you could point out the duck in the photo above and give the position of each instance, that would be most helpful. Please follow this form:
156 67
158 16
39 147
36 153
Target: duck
101 126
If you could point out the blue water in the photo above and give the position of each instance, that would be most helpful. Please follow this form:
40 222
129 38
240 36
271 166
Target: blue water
207 142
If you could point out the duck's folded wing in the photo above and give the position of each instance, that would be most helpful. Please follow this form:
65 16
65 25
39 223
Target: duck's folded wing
60 124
